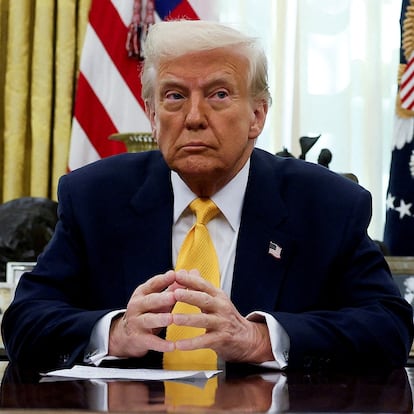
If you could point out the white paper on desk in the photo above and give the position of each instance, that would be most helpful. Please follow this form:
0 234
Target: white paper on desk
91 372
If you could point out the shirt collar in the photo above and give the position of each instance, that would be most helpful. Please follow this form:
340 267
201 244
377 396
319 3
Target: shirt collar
229 199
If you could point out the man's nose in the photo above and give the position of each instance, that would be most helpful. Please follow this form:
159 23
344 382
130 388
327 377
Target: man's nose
196 116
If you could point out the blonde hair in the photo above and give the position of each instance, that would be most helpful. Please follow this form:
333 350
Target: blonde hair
174 38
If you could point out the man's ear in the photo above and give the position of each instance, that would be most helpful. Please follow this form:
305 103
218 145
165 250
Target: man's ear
149 110
260 109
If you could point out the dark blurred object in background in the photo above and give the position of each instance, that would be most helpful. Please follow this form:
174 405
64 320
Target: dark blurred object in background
26 226
285 153
325 157
306 143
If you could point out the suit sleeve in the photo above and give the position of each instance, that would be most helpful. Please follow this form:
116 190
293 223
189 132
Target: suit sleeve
360 320
48 323
101 250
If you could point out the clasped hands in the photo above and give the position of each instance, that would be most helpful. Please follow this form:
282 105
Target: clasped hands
229 334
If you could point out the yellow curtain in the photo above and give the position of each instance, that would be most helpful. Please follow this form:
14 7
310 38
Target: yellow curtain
40 45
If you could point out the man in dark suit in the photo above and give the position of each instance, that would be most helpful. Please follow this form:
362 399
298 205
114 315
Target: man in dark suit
302 285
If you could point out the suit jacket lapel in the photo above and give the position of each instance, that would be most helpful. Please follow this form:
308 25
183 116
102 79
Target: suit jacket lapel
258 275
149 253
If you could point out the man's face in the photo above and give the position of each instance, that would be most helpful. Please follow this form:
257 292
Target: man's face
203 117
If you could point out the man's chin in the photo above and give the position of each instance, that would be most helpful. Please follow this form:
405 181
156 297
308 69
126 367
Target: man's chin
194 166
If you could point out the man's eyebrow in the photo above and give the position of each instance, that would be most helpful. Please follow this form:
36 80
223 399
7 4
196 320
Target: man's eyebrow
171 81
215 79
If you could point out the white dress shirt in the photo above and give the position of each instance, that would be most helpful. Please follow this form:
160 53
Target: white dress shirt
223 230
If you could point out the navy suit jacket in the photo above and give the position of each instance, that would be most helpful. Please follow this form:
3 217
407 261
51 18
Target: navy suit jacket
331 288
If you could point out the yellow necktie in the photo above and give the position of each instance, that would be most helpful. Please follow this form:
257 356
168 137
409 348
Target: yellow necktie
197 252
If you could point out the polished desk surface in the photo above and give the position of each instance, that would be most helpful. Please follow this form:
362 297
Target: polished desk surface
238 390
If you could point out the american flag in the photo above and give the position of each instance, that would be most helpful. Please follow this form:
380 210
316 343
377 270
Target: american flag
108 95
275 250
407 85
399 223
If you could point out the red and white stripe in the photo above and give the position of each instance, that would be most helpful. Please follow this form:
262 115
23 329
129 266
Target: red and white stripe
108 97
407 85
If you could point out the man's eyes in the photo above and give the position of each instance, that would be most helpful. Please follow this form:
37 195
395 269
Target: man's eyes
173 95
221 94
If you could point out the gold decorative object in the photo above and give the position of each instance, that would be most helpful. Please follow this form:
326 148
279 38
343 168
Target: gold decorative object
136 141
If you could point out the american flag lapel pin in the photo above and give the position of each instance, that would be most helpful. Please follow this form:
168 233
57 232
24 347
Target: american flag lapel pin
275 250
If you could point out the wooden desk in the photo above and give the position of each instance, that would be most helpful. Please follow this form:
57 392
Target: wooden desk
239 390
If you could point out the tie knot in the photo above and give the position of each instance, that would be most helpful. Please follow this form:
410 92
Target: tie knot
204 209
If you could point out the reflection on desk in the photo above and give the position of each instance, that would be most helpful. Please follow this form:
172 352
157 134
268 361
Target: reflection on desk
238 390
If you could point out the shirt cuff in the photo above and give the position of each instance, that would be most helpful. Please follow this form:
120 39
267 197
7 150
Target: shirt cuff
97 349
279 339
